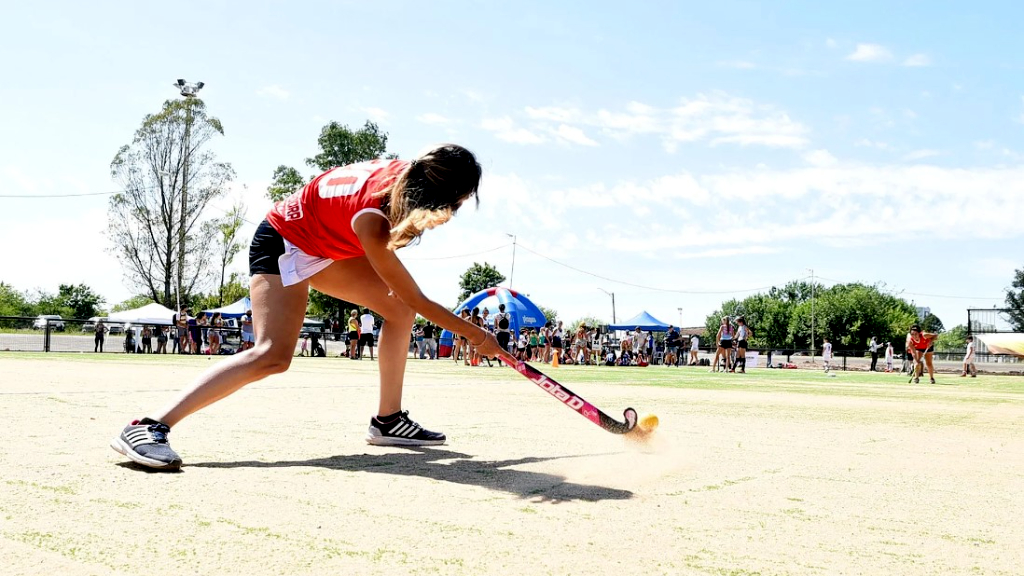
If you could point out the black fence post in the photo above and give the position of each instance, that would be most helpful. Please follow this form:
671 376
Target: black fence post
46 336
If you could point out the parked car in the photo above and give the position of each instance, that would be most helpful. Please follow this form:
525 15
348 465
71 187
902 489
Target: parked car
55 321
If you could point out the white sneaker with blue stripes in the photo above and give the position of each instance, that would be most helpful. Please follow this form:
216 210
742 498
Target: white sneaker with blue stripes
399 430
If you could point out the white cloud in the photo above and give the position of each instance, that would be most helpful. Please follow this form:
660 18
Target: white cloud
918 60
984 144
830 43
553 114
921 154
866 143
377 115
433 118
820 158
870 53
273 91
717 118
505 129
573 135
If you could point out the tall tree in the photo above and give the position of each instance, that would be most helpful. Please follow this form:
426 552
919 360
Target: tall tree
1015 301
13 302
478 278
340 145
145 218
286 180
952 340
228 243
80 300
931 323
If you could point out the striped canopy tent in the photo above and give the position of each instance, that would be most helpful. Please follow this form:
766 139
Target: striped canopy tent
1003 343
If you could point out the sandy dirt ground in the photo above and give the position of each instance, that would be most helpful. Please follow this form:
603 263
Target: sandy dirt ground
278 479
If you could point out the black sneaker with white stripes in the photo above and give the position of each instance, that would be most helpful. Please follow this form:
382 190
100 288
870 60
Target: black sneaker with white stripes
399 430
145 442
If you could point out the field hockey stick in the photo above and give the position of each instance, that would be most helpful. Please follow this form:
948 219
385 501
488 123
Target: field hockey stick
570 399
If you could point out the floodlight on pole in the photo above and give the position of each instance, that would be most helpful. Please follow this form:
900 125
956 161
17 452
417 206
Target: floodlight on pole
189 91
513 272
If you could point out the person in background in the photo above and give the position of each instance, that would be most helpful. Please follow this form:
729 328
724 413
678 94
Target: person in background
694 349
826 354
248 338
161 340
101 335
672 347
129 340
969 367
180 321
460 344
366 332
547 336
503 328
889 353
874 347
353 335
724 340
743 333
215 335
429 348
147 340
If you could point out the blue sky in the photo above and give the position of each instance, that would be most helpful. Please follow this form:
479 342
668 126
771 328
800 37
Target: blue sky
685 152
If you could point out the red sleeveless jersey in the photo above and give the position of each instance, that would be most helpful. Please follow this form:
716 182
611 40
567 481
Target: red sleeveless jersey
318 218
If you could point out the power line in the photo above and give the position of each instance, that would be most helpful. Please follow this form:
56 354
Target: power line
59 195
652 288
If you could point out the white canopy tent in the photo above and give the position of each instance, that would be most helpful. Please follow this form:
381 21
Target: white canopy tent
149 314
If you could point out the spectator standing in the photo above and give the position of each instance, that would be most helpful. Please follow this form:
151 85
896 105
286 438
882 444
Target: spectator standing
724 340
147 340
558 341
969 367
180 321
101 335
248 337
826 354
215 336
366 332
672 347
129 340
743 333
503 327
161 340
429 348
353 335
546 337
873 347
889 352
694 349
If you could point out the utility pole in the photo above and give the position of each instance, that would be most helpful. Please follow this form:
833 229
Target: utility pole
513 272
189 91
612 294
812 314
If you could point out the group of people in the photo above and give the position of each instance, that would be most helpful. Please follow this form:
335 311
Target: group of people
732 342
202 334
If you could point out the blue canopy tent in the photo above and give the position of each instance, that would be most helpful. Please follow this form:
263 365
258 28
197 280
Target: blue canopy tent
235 309
523 313
645 321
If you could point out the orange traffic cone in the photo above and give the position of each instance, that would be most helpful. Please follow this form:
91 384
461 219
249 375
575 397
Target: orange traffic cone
554 361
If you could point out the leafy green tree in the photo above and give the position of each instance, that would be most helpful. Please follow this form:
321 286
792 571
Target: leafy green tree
478 278
145 220
286 180
13 302
850 314
590 321
952 340
49 303
550 314
137 301
340 145
80 300
1015 301
931 323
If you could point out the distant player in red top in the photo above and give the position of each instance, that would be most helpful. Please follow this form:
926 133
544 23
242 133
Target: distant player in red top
922 345
338 235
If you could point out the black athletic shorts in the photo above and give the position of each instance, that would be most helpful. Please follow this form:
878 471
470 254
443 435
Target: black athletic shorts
727 344
556 342
267 245
366 339
741 344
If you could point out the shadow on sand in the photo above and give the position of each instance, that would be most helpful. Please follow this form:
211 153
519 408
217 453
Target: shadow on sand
455 467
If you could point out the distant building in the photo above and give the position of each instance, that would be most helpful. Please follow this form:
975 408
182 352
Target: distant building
923 312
